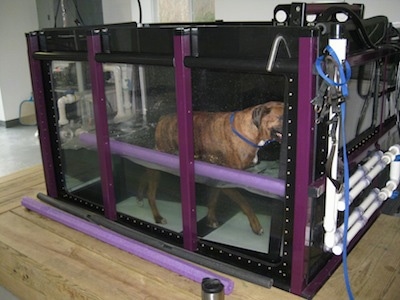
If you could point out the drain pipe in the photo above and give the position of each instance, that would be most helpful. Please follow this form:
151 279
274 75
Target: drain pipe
362 183
361 214
359 224
365 168
394 181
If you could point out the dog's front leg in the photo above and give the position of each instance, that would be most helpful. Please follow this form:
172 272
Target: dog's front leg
153 177
244 205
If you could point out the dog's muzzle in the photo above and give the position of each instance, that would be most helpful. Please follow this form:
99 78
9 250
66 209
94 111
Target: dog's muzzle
276 135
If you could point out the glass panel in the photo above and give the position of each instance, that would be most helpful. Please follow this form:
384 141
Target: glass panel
74 111
229 196
239 136
137 96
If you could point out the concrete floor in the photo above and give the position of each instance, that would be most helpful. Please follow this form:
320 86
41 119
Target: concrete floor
19 150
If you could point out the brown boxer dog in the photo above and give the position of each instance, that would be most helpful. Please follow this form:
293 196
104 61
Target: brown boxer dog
230 139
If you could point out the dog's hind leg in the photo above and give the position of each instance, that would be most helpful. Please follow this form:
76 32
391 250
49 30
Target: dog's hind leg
143 183
244 205
153 178
212 207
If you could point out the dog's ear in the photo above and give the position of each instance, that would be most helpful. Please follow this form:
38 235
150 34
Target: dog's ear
258 113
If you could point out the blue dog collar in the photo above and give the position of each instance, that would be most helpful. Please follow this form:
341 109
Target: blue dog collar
244 139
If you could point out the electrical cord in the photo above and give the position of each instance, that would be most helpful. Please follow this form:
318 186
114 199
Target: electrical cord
56 14
367 96
78 13
369 39
140 11
397 97
80 21
347 203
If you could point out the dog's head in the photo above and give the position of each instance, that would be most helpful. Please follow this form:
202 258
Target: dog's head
268 118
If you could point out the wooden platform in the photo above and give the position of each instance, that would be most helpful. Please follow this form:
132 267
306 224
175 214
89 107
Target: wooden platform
42 259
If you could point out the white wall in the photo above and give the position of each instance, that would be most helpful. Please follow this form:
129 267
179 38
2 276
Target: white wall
16 18
245 10
120 11
389 8
262 10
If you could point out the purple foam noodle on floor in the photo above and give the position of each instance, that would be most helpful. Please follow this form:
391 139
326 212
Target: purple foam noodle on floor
143 251
245 179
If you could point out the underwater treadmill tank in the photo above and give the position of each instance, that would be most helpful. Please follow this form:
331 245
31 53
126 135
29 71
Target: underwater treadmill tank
128 116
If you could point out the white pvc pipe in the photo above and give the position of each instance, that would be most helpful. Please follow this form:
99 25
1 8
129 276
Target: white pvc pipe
79 77
126 84
61 102
367 208
331 195
394 181
361 185
365 168
87 116
330 218
391 154
364 182
81 84
143 91
117 73
133 88
338 248
357 213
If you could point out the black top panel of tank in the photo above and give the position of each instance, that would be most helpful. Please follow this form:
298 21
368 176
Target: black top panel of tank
227 40
247 42
73 39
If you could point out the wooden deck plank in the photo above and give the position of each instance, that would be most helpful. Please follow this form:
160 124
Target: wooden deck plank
14 200
43 259
108 252
13 187
144 268
16 274
65 265
373 265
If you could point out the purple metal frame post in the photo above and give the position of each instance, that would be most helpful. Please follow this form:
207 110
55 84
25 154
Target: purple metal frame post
183 88
100 116
304 144
41 115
